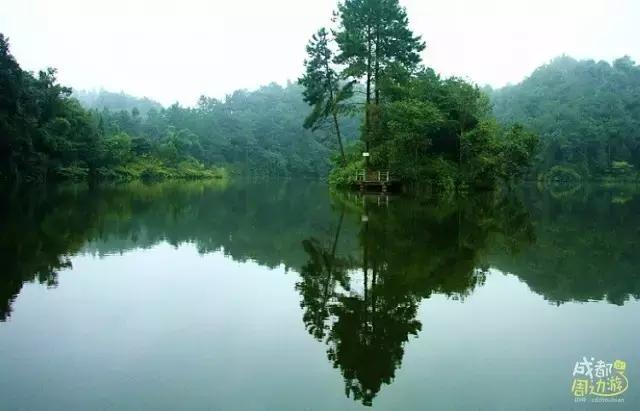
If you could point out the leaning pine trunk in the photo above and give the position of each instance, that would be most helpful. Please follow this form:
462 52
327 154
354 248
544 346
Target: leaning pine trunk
337 126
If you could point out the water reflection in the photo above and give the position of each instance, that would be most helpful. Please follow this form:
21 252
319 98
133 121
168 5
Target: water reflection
364 263
362 302
41 228
586 246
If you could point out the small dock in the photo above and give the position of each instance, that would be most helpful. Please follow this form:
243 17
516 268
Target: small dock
382 181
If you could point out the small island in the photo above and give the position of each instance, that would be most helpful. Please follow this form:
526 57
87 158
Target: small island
417 127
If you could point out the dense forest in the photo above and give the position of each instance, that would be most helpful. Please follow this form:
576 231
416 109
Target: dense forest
587 114
251 132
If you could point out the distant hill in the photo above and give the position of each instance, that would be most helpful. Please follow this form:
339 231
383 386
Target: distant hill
115 101
587 114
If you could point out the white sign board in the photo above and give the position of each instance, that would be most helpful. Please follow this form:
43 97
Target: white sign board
365 154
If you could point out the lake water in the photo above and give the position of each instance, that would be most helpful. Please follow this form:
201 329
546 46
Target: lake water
284 296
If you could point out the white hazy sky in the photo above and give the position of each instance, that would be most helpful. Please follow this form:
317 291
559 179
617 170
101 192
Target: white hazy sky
173 50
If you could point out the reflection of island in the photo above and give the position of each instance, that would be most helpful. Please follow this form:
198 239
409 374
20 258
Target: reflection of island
370 325
363 302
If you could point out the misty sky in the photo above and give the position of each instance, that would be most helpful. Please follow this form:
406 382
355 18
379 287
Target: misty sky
173 50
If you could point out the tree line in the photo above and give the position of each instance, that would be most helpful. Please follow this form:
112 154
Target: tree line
364 88
587 114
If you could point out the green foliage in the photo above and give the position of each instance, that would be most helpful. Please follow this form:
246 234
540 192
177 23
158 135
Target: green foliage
481 154
621 168
117 149
74 172
323 90
411 123
42 129
375 39
441 174
152 168
343 175
375 44
255 133
442 132
518 153
586 113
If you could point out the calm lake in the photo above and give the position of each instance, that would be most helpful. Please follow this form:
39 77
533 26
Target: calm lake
285 296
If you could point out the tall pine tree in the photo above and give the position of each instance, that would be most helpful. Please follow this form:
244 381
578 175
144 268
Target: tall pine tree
376 44
322 87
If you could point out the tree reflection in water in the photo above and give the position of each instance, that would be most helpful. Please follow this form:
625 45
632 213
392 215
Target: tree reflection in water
363 302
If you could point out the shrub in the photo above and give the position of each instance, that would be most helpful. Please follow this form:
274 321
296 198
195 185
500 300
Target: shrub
73 172
562 174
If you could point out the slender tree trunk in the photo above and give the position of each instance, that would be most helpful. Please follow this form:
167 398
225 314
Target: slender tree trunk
376 83
334 111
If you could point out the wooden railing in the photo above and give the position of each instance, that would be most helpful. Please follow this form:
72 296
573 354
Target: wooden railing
373 176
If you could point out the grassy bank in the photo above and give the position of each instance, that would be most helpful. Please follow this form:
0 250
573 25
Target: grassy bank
145 168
